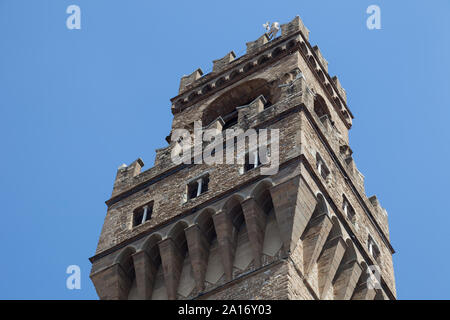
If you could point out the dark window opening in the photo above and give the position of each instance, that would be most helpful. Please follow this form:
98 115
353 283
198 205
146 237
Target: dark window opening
241 95
321 167
197 187
321 109
348 210
373 249
142 214
230 119
252 161
192 190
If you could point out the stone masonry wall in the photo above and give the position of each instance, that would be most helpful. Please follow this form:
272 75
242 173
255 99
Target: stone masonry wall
294 75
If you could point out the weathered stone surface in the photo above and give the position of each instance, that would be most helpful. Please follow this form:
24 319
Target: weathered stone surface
145 270
199 253
280 251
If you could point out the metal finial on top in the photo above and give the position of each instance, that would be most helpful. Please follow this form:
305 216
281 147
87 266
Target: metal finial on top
272 30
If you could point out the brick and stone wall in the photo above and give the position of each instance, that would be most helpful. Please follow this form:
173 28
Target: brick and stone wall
284 236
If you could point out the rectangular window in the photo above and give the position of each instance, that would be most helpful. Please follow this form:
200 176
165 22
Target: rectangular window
230 119
348 210
373 249
252 161
321 167
142 214
197 187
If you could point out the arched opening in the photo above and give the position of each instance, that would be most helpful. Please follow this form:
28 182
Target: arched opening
206 88
214 269
220 82
241 95
321 75
312 61
125 260
350 253
248 67
303 48
234 74
186 283
277 52
291 44
234 210
329 88
159 291
262 196
206 224
272 243
263 59
321 206
346 115
243 254
338 103
336 231
321 108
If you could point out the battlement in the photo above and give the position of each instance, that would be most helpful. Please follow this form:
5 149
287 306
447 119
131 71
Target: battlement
380 214
227 70
221 63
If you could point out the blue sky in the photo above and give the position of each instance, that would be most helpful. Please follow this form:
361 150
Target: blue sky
76 104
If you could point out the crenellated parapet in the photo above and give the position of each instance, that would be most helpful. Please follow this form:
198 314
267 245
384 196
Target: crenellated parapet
380 214
322 60
188 80
227 74
294 26
254 46
222 63
339 88
125 173
228 70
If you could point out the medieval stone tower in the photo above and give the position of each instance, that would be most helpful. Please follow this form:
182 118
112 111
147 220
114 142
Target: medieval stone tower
226 231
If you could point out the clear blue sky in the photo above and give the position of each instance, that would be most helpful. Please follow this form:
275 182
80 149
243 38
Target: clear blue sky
76 104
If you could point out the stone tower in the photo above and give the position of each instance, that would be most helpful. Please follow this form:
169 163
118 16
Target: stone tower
227 231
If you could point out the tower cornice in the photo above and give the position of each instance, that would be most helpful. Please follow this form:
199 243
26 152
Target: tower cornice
204 85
